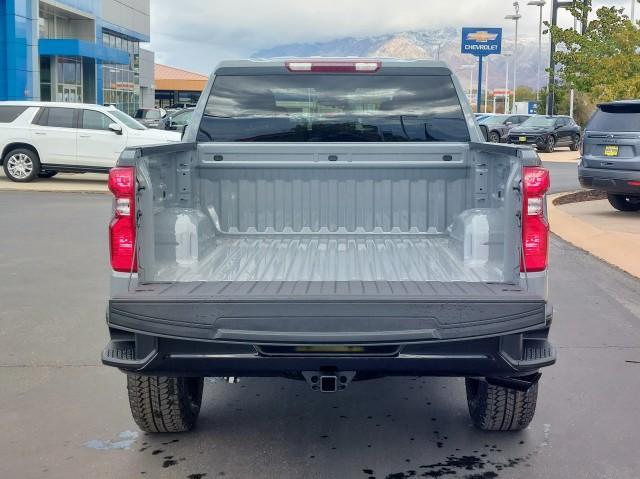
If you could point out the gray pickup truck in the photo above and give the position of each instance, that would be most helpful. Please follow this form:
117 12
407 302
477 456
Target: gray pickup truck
329 221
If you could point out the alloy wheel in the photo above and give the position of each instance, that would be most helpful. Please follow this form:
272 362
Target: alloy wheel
20 166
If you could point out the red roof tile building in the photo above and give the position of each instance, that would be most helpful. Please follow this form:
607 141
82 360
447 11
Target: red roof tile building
175 86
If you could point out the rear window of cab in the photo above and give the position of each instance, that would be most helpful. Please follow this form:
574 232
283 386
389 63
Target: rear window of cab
333 108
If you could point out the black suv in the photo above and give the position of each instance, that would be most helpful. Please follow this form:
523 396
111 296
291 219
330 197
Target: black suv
547 132
611 154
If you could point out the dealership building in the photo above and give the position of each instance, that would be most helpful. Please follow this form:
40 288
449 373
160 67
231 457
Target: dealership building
76 51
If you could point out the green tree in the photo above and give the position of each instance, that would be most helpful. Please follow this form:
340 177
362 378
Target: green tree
525 93
583 107
604 61
560 104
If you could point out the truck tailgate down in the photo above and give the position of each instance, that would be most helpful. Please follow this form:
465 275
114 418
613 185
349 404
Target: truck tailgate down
297 312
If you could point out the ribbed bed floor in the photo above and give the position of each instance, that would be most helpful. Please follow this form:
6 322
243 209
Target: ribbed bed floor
331 259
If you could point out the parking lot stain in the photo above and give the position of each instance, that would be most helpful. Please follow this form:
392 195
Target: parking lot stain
199 475
169 462
466 467
125 440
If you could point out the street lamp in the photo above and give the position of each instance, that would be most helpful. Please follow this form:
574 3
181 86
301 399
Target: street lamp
555 5
506 56
515 17
486 87
470 68
541 4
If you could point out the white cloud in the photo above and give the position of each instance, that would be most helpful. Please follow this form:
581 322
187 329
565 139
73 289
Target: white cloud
196 34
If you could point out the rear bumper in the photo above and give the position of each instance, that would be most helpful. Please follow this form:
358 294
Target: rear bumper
611 181
505 356
492 330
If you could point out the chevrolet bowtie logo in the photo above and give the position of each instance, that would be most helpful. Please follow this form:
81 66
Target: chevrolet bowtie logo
482 36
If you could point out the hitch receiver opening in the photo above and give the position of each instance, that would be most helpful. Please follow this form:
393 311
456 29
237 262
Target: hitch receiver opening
328 381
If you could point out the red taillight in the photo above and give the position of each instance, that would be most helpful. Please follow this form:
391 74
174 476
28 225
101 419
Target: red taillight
122 230
535 228
324 66
633 183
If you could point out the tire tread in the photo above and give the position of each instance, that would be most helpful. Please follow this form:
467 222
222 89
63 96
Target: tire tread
498 408
162 404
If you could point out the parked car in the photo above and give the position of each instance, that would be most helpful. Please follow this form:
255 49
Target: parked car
176 121
39 139
150 117
611 153
309 228
500 125
547 133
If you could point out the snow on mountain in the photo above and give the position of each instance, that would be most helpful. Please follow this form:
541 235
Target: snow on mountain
442 44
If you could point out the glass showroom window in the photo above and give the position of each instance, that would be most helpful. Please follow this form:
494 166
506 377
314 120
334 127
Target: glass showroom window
69 79
121 83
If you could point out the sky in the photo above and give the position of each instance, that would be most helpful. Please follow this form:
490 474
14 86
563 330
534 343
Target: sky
197 34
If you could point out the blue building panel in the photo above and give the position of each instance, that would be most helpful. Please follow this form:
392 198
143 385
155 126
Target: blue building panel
20 47
19 23
82 48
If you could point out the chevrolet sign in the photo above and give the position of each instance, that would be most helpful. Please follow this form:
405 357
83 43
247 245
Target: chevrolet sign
481 41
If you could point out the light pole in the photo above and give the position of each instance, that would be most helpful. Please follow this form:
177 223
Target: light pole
506 56
541 4
551 89
470 68
516 16
486 88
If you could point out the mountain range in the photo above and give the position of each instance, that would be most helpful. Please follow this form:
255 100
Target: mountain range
442 44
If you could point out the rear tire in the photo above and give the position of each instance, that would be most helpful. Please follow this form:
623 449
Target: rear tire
624 203
164 404
550 147
498 408
21 165
575 143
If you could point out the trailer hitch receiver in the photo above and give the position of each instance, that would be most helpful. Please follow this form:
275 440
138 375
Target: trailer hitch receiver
328 381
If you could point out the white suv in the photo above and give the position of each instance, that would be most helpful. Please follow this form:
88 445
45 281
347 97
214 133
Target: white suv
39 139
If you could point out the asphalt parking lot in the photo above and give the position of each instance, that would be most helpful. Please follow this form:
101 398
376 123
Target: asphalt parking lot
64 415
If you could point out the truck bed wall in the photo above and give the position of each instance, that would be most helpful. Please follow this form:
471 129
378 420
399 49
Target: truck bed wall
407 212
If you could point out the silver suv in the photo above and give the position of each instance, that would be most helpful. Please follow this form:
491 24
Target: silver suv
611 154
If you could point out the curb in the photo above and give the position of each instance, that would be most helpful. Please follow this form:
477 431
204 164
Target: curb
54 190
610 246
63 183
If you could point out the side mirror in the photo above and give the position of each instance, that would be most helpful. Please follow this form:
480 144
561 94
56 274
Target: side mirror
114 127
509 123
485 132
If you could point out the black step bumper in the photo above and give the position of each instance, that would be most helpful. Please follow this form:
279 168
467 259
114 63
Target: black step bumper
466 330
506 356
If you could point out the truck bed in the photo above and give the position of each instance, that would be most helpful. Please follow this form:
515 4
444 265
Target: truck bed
321 258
